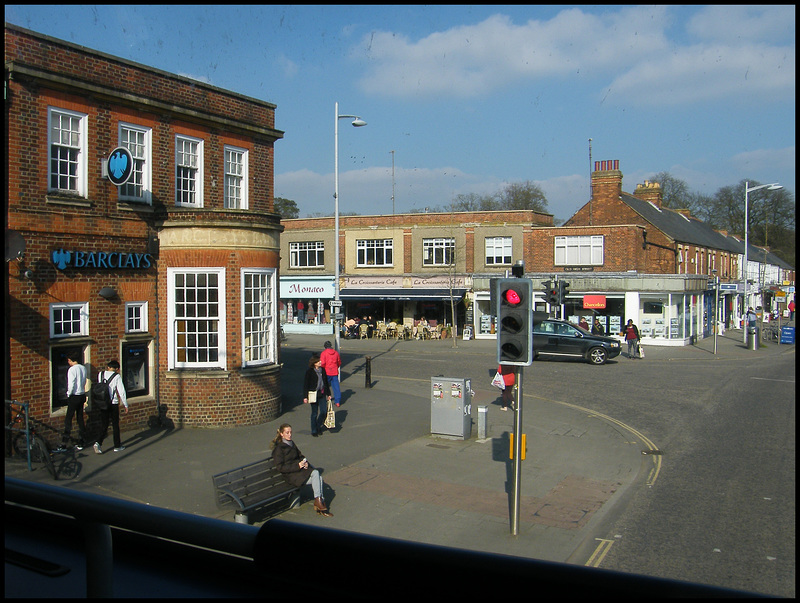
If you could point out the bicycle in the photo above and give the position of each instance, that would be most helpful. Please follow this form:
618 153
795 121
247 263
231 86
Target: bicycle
25 441
769 333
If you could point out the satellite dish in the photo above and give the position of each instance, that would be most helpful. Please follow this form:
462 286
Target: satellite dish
15 245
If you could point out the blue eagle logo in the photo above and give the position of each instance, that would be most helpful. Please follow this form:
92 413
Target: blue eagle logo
61 258
118 163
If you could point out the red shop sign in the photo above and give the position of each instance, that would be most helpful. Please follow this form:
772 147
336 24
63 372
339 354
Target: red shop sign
594 301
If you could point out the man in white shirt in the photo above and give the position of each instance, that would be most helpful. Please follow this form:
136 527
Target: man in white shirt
118 397
76 398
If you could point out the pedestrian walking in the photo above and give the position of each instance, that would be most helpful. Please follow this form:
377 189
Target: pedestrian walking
332 364
119 397
597 328
76 399
631 334
295 468
509 376
791 309
316 391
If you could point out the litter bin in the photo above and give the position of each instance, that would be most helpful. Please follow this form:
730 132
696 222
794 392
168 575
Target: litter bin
752 338
451 407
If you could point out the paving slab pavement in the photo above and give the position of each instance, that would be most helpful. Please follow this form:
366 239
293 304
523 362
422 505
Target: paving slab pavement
393 478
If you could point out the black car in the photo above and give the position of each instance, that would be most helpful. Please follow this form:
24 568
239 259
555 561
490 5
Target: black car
561 338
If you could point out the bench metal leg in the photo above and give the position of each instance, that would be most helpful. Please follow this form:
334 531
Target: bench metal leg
240 517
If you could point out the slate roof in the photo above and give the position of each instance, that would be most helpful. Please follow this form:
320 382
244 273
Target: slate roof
695 232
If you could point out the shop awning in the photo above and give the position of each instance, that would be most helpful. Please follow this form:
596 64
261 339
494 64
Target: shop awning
401 294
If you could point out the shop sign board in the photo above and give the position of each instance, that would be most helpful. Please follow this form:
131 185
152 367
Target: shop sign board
596 302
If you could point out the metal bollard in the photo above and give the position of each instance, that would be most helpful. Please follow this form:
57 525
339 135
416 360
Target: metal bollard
482 415
368 373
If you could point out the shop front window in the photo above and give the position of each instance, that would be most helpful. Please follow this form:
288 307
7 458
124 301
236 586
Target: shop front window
611 317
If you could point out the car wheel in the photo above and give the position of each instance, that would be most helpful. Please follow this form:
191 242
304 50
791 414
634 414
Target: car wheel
597 356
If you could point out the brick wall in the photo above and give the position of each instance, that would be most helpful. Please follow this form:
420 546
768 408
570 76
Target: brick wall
45 72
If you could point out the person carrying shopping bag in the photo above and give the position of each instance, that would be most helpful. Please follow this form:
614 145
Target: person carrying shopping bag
316 391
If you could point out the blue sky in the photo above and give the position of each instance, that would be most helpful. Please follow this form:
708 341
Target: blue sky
471 98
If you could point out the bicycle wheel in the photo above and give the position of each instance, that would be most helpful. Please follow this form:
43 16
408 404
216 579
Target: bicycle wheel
40 455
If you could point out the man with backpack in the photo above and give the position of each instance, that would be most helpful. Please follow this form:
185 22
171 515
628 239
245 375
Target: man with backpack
117 396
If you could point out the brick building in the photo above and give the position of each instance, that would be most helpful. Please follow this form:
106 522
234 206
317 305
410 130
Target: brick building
623 255
174 272
399 268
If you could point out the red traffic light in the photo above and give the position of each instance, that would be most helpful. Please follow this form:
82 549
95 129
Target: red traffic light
512 297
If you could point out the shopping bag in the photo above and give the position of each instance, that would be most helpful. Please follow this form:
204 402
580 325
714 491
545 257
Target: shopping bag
641 351
330 419
498 381
312 396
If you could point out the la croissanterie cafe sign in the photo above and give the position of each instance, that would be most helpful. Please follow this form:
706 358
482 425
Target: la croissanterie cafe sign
112 260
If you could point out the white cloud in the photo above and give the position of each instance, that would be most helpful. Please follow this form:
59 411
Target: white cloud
765 160
738 24
703 73
629 48
286 65
469 60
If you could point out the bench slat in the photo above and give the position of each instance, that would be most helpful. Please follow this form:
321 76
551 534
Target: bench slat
250 486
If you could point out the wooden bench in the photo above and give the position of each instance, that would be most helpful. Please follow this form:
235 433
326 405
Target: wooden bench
253 486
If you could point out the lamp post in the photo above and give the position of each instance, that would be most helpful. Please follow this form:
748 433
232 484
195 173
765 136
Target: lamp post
747 190
357 123
716 307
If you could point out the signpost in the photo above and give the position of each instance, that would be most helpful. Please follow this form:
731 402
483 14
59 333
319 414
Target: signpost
120 166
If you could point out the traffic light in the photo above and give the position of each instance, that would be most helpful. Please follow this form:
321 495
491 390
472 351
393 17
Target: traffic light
563 289
514 336
551 294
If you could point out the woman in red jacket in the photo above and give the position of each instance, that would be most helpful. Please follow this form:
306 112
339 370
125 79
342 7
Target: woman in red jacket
508 393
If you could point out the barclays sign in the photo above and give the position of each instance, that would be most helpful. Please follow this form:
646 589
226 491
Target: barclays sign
64 259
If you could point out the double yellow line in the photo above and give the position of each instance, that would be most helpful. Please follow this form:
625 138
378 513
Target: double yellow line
605 544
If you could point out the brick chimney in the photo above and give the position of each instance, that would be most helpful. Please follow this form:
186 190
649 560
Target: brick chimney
650 191
606 180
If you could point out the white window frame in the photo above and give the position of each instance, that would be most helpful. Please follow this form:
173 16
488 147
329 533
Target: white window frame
443 246
580 250
176 360
77 319
368 250
142 153
498 250
79 146
259 341
309 250
136 316
195 166
236 178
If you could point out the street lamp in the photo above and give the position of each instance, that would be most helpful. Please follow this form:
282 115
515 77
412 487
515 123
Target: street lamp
747 190
357 123
716 307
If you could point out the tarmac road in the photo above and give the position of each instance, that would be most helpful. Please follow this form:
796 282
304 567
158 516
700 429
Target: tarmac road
387 475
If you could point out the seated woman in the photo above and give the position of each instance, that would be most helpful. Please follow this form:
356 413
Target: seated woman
290 462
